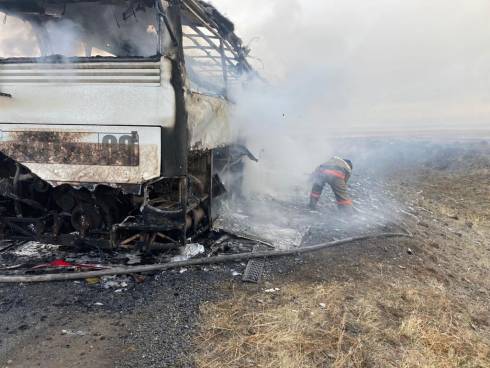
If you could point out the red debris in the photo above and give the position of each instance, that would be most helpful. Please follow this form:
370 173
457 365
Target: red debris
60 263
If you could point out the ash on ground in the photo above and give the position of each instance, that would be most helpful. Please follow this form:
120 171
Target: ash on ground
287 222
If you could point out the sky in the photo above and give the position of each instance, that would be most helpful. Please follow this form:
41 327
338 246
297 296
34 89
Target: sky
410 63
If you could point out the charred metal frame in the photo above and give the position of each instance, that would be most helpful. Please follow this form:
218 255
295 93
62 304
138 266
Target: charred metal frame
172 207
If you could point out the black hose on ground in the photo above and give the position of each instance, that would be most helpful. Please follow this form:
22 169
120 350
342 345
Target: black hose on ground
193 262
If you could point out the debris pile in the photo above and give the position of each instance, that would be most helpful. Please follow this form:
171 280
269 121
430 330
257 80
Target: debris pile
246 226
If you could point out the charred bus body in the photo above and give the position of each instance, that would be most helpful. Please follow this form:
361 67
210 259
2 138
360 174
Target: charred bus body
114 118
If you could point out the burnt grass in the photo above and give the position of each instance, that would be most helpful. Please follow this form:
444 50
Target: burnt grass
154 321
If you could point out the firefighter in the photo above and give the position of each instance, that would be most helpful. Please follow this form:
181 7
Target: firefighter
336 172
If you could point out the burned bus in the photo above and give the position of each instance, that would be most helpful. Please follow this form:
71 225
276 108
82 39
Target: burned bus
114 120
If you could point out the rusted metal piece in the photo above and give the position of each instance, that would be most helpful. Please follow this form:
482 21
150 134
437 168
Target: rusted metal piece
68 148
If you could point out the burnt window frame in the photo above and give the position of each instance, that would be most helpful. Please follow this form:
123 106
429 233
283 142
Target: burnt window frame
37 17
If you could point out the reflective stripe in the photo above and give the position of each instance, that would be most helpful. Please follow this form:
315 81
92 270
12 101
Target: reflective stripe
346 165
315 194
347 202
336 173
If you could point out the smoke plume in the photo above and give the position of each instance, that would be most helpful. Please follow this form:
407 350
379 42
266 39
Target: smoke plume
356 68
381 62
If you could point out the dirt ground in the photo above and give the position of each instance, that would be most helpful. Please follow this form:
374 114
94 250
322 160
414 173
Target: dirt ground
399 302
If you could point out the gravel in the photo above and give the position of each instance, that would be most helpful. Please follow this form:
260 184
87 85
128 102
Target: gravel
155 319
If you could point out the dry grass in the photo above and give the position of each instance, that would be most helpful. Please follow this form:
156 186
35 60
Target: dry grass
341 325
459 195
389 319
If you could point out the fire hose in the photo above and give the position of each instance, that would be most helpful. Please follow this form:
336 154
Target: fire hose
193 262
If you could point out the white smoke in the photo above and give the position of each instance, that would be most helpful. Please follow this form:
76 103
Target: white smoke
65 38
384 61
357 67
273 120
17 38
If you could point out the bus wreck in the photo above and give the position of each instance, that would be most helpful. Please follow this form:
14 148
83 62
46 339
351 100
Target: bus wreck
114 125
